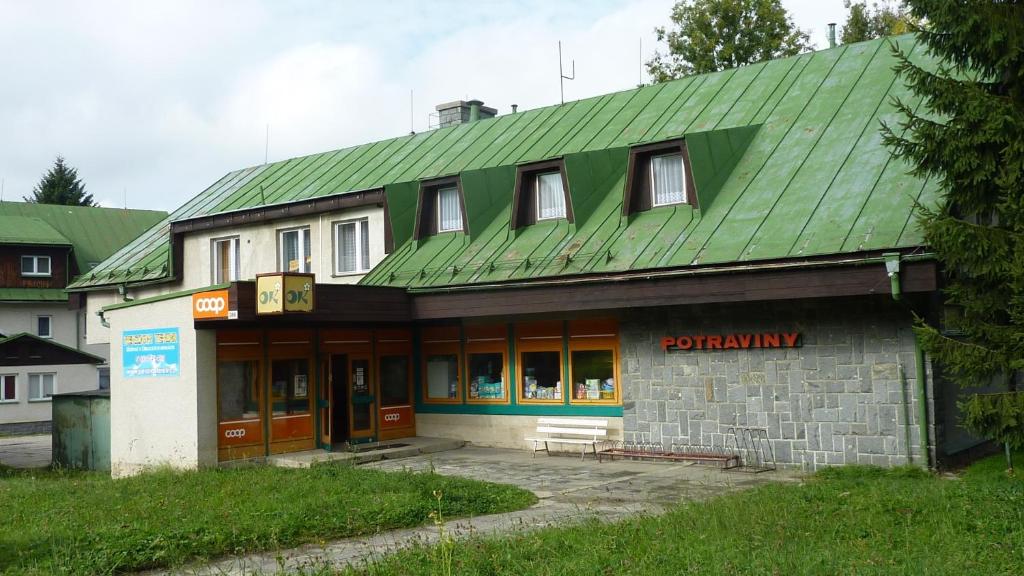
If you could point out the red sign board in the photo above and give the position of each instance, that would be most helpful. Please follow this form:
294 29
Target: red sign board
396 417
731 341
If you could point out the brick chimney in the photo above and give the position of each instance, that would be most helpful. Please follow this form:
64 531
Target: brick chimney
461 112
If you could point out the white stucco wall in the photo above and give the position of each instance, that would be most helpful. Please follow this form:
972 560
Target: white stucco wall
163 420
68 378
258 247
21 317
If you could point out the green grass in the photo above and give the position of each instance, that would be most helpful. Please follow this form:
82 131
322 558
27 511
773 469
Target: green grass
86 523
852 520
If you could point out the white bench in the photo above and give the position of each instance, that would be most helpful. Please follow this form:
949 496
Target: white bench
582 431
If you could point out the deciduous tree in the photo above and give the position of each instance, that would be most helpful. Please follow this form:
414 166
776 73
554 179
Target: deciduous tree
711 35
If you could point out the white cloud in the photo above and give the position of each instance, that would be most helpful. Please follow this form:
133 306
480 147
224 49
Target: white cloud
162 99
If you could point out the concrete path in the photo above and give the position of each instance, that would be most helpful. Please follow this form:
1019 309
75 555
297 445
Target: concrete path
26 451
569 491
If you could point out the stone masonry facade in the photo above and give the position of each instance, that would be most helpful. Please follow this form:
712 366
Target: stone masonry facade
846 395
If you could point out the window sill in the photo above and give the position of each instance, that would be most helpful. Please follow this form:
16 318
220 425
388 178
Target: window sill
349 274
36 275
15 401
33 400
442 400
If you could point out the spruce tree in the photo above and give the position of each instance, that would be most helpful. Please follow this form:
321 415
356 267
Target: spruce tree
61 185
969 137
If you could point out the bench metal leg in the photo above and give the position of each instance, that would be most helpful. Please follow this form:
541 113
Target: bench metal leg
546 449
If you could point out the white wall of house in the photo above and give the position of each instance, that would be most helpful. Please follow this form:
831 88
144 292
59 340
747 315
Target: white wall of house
67 378
168 420
68 327
258 254
259 247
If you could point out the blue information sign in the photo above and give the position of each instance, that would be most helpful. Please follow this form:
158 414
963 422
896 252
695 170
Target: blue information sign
150 353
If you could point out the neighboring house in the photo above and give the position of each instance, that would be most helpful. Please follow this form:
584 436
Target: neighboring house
735 249
42 248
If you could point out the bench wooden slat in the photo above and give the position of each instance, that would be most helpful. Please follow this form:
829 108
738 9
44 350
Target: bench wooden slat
578 431
562 440
590 422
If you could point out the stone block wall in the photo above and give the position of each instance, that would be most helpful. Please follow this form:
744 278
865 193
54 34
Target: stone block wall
847 394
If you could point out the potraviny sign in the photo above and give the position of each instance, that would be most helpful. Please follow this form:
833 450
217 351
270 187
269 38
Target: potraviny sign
731 341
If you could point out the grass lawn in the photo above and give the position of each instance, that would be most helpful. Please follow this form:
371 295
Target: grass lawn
86 523
852 520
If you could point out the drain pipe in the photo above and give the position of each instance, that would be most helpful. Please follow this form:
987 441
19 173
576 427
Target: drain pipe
892 268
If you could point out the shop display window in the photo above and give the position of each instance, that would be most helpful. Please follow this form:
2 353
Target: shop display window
486 376
542 375
593 375
441 356
239 391
290 386
394 380
593 361
442 377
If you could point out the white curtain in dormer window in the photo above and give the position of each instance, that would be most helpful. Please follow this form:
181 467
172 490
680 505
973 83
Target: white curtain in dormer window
667 179
550 196
449 216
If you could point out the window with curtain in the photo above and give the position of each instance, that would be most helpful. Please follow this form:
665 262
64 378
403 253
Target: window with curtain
40 386
225 260
449 214
667 185
352 245
295 251
550 196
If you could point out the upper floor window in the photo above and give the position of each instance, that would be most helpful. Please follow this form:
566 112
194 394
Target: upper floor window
667 185
550 196
449 213
35 265
658 175
352 246
40 386
225 260
440 208
541 193
295 250
44 326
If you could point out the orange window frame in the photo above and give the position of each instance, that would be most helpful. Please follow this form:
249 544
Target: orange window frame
442 341
291 345
595 335
393 342
246 439
546 336
487 339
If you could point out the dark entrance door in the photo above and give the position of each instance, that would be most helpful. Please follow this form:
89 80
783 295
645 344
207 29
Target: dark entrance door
339 398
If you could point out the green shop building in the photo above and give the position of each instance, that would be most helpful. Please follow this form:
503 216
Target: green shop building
735 249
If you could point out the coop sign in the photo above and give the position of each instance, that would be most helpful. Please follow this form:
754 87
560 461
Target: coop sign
285 292
150 353
731 341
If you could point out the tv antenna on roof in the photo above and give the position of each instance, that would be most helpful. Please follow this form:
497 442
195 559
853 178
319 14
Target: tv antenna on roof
561 74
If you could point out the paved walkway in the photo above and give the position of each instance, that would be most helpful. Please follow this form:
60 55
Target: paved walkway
569 491
25 451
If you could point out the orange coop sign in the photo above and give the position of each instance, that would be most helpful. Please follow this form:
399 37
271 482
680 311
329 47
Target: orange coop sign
208 305
396 417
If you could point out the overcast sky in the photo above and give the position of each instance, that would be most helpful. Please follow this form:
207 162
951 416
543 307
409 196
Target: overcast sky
154 101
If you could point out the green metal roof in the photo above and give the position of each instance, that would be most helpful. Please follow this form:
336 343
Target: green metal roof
33 295
29 230
94 233
786 155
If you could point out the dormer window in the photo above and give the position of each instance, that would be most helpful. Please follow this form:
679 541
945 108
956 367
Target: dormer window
550 196
449 215
658 175
667 184
440 208
541 193
35 265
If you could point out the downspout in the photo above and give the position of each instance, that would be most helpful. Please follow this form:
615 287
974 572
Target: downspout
892 268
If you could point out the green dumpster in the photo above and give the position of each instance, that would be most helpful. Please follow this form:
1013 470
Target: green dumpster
81 430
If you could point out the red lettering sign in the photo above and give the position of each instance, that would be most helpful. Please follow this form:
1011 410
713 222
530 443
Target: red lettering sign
731 341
